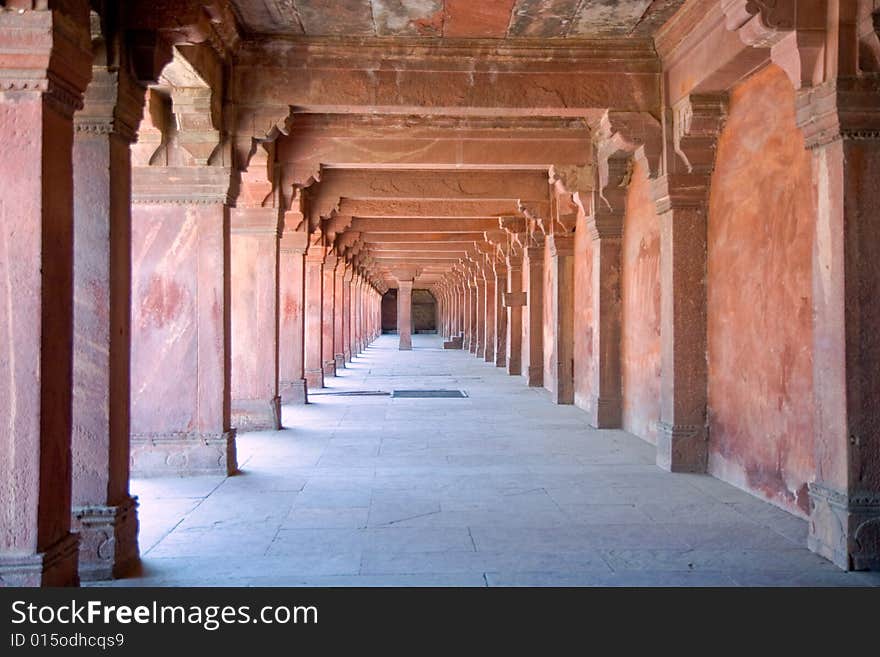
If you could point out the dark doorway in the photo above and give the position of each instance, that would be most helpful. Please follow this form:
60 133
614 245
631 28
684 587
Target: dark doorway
389 312
424 312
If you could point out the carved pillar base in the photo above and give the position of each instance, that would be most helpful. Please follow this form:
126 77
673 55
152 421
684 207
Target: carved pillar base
183 453
294 392
340 361
605 412
57 566
682 448
845 528
256 414
108 546
330 367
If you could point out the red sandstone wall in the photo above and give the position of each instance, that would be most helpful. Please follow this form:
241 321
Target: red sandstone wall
640 308
583 314
759 297
164 312
547 319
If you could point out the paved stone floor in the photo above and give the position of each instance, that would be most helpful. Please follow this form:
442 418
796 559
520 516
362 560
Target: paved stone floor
501 488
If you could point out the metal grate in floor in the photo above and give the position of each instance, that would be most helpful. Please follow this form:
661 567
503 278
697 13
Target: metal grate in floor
430 394
352 393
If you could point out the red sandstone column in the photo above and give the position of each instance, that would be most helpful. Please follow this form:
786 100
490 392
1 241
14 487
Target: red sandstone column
36 267
841 123
314 369
472 312
256 404
514 301
328 352
500 315
489 322
533 358
291 330
338 315
104 513
346 311
606 230
480 278
180 380
359 311
562 254
404 313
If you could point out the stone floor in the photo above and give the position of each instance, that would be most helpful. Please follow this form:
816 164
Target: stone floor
502 488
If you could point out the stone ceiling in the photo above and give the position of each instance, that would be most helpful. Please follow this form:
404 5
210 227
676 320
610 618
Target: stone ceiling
498 19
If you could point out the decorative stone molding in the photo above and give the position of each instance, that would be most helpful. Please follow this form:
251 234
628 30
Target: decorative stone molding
181 185
183 452
108 539
847 108
845 527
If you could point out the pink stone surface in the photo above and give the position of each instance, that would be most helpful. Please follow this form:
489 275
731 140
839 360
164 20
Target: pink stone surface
759 297
640 310
583 316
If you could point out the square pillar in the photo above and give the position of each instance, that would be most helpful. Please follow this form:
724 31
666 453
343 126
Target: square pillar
338 315
314 310
489 322
180 376
533 355
256 404
514 300
291 328
480 319
404 314
104 512
36 266
328 358
606 229
562 254
500 316
841 124
346 312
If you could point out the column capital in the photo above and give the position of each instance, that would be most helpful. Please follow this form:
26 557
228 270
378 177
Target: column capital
255 221
561 245
294 242
846 108
181 185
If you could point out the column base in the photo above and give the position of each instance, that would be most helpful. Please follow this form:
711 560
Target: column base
108 545
605 412
845 528
452 343
256 414
294 392
347 356
340 361
329 368
57 566
405 343
535 376
183 453
314 379
682 447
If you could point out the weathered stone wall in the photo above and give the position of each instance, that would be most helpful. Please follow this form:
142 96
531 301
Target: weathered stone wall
424 311
760 238
640 310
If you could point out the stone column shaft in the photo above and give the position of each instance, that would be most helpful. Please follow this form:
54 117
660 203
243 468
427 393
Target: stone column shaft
533 358
256 404
314 309
500 317
291 344
338 316
404 314
489 323
328 352
514 301
562 254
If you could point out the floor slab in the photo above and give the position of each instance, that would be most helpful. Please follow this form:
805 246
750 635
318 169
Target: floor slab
500 488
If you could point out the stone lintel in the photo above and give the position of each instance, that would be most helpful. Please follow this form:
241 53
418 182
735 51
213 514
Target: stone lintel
181 185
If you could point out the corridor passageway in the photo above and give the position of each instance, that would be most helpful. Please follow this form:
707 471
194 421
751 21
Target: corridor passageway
499 488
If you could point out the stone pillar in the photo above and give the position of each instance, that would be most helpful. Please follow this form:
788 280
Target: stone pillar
467 290
500 315
314 369
291 329
841 124
358 313
514 300
45 63
489 321
181 322
346 312
533 357
256 404
355 283
339 315
328 352
606 229
562 253
404 313
480 319
104 513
